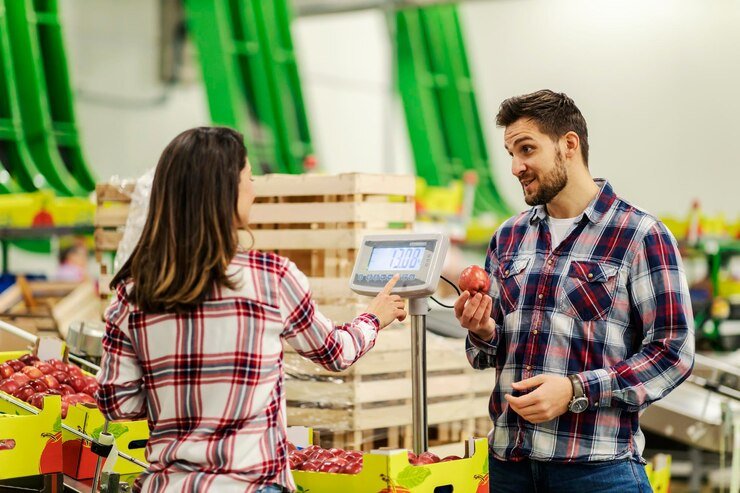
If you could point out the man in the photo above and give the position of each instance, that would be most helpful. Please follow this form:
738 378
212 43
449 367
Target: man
587 320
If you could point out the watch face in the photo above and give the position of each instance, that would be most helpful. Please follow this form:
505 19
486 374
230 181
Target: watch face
579 405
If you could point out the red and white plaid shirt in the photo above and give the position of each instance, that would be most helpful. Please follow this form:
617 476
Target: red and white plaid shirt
210 381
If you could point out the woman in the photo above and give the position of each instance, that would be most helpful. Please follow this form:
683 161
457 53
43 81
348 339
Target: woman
194 336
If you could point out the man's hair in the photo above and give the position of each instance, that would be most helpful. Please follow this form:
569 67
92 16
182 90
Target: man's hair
554 112
190 236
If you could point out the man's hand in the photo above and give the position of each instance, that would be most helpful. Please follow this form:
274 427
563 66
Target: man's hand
549 400
474 313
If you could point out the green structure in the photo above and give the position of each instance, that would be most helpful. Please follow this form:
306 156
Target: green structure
439 100
44 99
251 77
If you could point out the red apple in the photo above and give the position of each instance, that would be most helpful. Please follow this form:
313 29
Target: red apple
311 465
28 359
412 457
66 389
24 392
6 371
86 399
9 386
336 452
38 385
45 367
65 408
32 372
353 467
474 279
334 465
50 381
73 370
15 364
451 457
7 444
58 364
90 389
61 376
20 378
77 382
291 447
37 400
427 458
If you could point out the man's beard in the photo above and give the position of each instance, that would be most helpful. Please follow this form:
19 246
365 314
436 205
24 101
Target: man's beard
549 185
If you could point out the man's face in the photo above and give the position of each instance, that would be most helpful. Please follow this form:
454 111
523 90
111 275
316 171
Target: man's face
536 161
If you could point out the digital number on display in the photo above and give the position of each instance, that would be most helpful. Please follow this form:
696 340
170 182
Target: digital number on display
396 258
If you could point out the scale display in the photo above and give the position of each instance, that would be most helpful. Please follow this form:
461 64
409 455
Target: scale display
417 257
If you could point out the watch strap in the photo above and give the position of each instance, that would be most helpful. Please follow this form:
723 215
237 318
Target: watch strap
577 386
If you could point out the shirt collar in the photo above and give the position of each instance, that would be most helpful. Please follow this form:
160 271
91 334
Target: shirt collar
595 210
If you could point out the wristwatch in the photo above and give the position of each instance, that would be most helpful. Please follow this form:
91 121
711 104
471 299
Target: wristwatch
578 403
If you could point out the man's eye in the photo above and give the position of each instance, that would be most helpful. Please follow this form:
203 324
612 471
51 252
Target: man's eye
527 149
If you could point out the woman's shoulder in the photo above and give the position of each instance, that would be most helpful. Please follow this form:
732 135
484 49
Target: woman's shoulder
264 261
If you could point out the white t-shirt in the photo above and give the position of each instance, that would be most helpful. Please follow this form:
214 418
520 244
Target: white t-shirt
559 229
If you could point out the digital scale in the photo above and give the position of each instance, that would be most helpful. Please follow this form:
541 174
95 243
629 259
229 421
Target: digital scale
418 259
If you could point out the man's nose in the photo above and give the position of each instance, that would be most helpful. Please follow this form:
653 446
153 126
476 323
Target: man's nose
517 167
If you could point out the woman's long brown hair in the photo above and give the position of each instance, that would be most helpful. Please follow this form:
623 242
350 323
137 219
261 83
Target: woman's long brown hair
189 237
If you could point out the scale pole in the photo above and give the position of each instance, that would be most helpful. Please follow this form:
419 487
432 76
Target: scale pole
418 308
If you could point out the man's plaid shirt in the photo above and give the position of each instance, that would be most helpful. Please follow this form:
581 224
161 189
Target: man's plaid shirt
610 304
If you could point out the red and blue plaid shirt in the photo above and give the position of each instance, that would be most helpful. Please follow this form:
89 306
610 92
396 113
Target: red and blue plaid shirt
610 304
210 381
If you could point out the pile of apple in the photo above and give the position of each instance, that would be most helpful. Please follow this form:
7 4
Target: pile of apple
336 460
30 379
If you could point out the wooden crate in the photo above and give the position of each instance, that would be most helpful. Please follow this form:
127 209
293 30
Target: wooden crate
371 401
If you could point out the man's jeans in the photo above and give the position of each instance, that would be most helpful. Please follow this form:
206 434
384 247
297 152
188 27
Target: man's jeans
273 488
529 476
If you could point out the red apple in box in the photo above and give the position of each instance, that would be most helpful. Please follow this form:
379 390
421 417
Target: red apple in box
451 457
311 465
9 386
353 467
61 376
91 389
6 371
45 367
336 452
28 359
38 385
291 447
84 398
20 378
58 365
16 365
32 372
77 382
65 408
24 392
474 279
66 389
37 400
74 370
427 458
50 381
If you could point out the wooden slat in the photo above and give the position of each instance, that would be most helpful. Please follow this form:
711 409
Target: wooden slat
383 417
277 185
328 212
312 239
345 394
111 216
109 192
107 241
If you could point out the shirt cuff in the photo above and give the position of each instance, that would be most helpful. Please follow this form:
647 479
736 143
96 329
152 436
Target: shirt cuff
485 346
371 319
597 386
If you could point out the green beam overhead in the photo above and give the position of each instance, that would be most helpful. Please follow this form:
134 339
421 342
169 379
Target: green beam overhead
18 172
59 91
439 101
251 77
36 116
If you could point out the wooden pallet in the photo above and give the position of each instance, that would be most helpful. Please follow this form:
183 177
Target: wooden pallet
371 401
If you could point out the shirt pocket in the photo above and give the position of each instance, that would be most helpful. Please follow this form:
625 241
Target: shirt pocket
589 290
512 273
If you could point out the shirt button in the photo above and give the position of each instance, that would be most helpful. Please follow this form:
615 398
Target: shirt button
549 261
529 368
506 273
590 275
540 296
534 332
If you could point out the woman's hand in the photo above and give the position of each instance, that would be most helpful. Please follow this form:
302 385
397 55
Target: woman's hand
386 306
